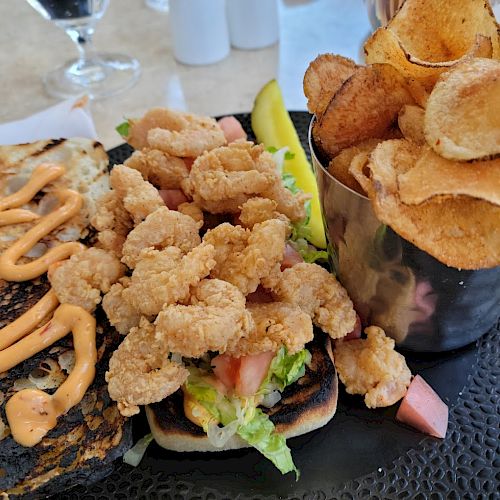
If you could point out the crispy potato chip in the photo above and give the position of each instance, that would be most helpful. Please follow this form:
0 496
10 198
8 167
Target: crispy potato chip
459 231
411 123
339 166
324 76
435 176
426 37
462 119
365 106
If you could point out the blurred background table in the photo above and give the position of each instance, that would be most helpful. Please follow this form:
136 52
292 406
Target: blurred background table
31 46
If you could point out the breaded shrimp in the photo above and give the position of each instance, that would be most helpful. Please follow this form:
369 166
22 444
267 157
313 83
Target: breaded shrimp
159 168
139 197
164 277
320 295
371 367
223 179
81 279
257 210
289 204
112 222
162 228
140 371
214 316
120 313
191 135
246 257
193 210
276 324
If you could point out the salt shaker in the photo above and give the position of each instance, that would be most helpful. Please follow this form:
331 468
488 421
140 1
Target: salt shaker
199 31
253 24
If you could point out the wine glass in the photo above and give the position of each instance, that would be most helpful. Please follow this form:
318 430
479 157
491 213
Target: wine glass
98 75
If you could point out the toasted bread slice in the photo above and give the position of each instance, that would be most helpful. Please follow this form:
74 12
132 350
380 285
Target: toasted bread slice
306 405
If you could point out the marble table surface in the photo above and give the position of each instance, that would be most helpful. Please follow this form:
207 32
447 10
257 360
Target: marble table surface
31 46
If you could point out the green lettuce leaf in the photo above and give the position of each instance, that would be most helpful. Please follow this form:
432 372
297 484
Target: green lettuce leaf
286 369
309 252
260 433
123 129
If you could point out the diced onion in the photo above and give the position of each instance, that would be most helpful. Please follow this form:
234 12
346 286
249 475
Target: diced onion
219 436
67 360
37 251
269 400
47 204
134 456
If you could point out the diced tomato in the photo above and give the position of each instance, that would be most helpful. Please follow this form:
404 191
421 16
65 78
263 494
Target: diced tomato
245 374
226 369
292 257
356 332
423 409
173 197
253 370
232 129
189 162
260 296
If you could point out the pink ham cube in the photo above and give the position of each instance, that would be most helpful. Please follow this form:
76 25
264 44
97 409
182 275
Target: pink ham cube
423 409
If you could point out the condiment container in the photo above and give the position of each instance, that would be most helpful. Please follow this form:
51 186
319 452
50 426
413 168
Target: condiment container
253 24
199 31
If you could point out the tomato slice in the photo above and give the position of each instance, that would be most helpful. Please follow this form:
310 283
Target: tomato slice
356 332
173 197
226 369
292 257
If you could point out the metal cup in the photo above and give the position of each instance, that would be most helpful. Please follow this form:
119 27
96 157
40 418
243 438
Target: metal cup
420 302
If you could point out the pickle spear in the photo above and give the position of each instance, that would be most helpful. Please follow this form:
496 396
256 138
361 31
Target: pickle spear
273 127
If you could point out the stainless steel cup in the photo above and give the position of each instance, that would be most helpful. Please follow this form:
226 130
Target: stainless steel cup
420 302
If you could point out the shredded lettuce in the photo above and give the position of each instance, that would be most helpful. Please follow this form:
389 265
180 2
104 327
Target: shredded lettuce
285 369
260 433
309 252
136 453
123 129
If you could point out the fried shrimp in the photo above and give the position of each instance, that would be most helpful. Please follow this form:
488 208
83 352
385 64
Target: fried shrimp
164 277
246 257
159 168
289 204
193 210
112 222
320 295
140 371
81 279
160 229
120 313
276 324
214 316
371 367
257 210
223 179
139 197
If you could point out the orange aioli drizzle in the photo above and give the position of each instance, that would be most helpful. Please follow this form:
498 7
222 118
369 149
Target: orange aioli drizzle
27 321
32 413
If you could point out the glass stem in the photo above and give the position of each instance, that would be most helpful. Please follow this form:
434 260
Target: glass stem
87 66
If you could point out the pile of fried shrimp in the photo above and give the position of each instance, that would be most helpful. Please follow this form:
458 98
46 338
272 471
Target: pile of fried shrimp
192 256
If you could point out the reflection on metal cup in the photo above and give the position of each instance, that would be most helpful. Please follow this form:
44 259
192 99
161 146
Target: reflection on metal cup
420 302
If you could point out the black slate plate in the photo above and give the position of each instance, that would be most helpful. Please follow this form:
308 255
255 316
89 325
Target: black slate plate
361 453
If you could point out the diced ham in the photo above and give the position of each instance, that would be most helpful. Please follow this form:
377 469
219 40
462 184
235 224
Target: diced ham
253 371
173 197
423 409
291 258
243 375
260 296
232 129
356 332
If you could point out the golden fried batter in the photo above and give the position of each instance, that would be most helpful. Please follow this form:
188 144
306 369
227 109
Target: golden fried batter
139 197
193 210
246 257
289 204
160 229
140 371
214 317
320 295
164 277
120 313
276 324
371 367
257 210
81 279
159 168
